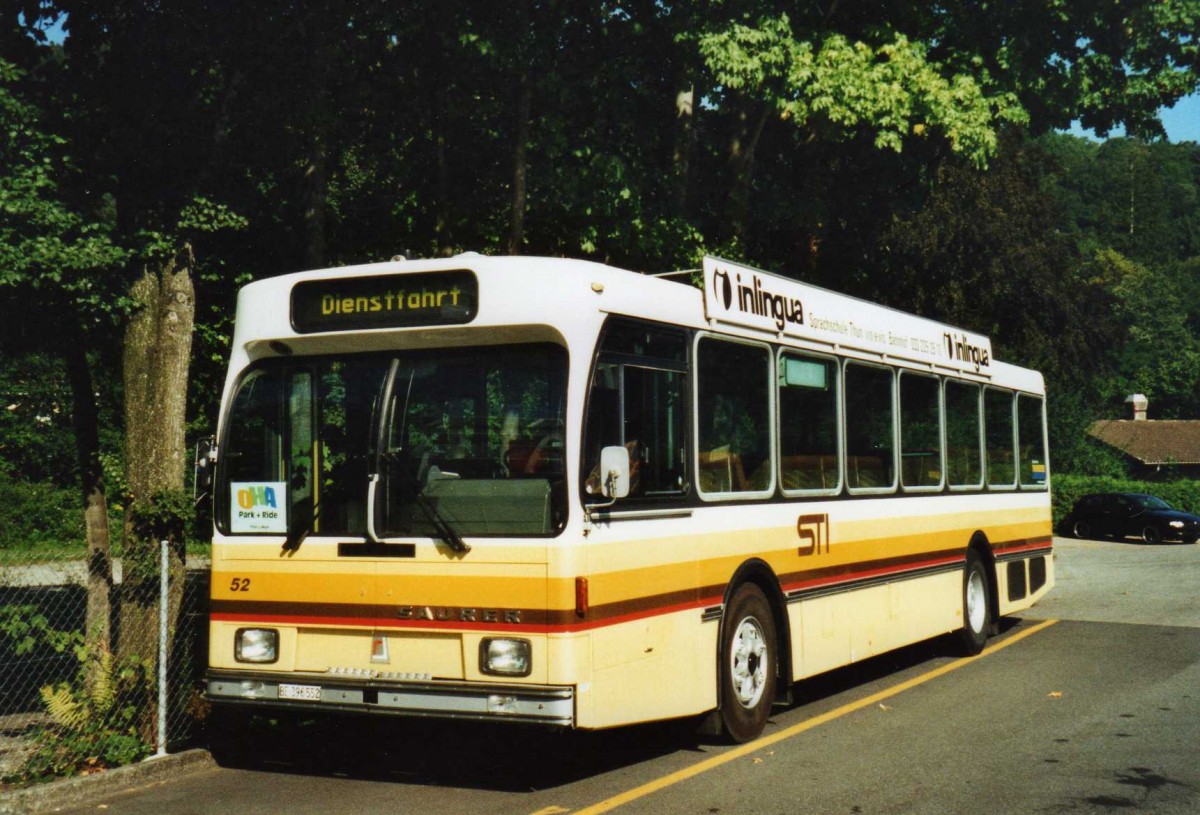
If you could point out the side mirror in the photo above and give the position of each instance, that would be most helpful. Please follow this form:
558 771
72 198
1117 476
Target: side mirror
205 468
614 472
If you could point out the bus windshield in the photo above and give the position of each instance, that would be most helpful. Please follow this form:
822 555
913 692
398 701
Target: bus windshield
473 437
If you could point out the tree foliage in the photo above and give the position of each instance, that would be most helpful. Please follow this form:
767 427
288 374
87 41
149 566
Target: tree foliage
52 258
878 148
835 87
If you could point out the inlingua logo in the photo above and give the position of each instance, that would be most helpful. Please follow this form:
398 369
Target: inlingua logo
723 287
961 349
757 299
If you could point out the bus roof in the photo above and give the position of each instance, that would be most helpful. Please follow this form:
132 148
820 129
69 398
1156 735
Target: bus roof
558 299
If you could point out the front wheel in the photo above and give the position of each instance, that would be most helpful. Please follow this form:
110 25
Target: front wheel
977 606
1150 534
748 664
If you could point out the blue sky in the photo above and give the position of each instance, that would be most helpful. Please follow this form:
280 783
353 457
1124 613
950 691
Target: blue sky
1182 122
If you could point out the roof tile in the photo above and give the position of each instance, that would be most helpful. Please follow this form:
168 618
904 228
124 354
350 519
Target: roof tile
1167 441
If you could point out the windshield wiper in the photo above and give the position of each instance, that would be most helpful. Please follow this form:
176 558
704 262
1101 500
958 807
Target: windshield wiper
444 530
300 531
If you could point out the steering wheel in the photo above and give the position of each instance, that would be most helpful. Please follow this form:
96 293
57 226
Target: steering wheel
542 451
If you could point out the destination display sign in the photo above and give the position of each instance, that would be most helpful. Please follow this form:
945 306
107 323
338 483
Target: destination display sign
385 301
744 296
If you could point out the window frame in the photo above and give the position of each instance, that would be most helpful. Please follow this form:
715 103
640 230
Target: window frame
839 424
1021 484
901 373
980 446
771 422
895 485
1012 426
622 360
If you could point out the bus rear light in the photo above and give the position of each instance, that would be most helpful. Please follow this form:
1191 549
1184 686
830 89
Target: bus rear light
256 645
505 657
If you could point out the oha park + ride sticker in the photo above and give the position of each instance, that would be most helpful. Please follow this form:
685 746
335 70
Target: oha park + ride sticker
258 506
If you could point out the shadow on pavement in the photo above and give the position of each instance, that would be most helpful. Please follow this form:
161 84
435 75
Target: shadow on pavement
478 755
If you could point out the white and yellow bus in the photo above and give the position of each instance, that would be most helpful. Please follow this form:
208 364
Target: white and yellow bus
550 491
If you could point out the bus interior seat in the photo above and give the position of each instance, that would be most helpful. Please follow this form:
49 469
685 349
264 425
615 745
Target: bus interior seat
721 471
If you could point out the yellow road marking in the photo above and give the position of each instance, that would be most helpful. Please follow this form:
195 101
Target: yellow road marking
796 729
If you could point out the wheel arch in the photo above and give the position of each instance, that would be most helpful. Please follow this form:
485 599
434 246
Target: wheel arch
982 547
758 572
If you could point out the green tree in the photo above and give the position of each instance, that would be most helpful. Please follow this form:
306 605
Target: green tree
1161 357
58 291
985 252
928 79
1140 198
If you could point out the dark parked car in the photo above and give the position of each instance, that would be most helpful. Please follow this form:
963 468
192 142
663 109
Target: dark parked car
1125 514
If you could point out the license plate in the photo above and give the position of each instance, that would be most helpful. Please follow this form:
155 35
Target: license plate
309 693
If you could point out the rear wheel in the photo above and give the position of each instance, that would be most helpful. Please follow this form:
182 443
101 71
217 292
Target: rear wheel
1082 529
977 606
748 664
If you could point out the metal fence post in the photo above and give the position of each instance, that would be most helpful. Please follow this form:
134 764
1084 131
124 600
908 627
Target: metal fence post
163 580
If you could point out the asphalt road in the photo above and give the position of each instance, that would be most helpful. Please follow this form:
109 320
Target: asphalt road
1089 703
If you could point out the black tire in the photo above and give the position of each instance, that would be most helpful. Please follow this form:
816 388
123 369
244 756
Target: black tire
1150 534
976 606
1082 529
749 664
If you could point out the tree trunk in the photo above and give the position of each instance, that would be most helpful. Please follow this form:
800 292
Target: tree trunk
158 345
316 198
97 623
316 168
741 160
516 235
685 141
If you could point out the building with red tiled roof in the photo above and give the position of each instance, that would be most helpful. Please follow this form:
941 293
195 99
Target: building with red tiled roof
1152 445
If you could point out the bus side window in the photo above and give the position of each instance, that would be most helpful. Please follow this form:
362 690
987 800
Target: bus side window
734 415
998 431
1031 441
920 432
870 428
638 399
964 461
808 424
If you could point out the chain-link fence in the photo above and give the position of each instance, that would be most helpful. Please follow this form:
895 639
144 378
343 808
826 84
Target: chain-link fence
98 666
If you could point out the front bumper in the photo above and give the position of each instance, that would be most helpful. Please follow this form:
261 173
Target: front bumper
483 701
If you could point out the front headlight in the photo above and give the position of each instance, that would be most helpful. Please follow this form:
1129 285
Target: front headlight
260 645
1176 524
505 657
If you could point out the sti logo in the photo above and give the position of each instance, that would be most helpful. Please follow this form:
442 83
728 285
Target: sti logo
251 497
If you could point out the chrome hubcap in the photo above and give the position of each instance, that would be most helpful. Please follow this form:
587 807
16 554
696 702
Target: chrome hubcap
976 601
748 662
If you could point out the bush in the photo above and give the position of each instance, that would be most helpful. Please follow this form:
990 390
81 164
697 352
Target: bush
41 520
93 720
1067 489
36 439
37 515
